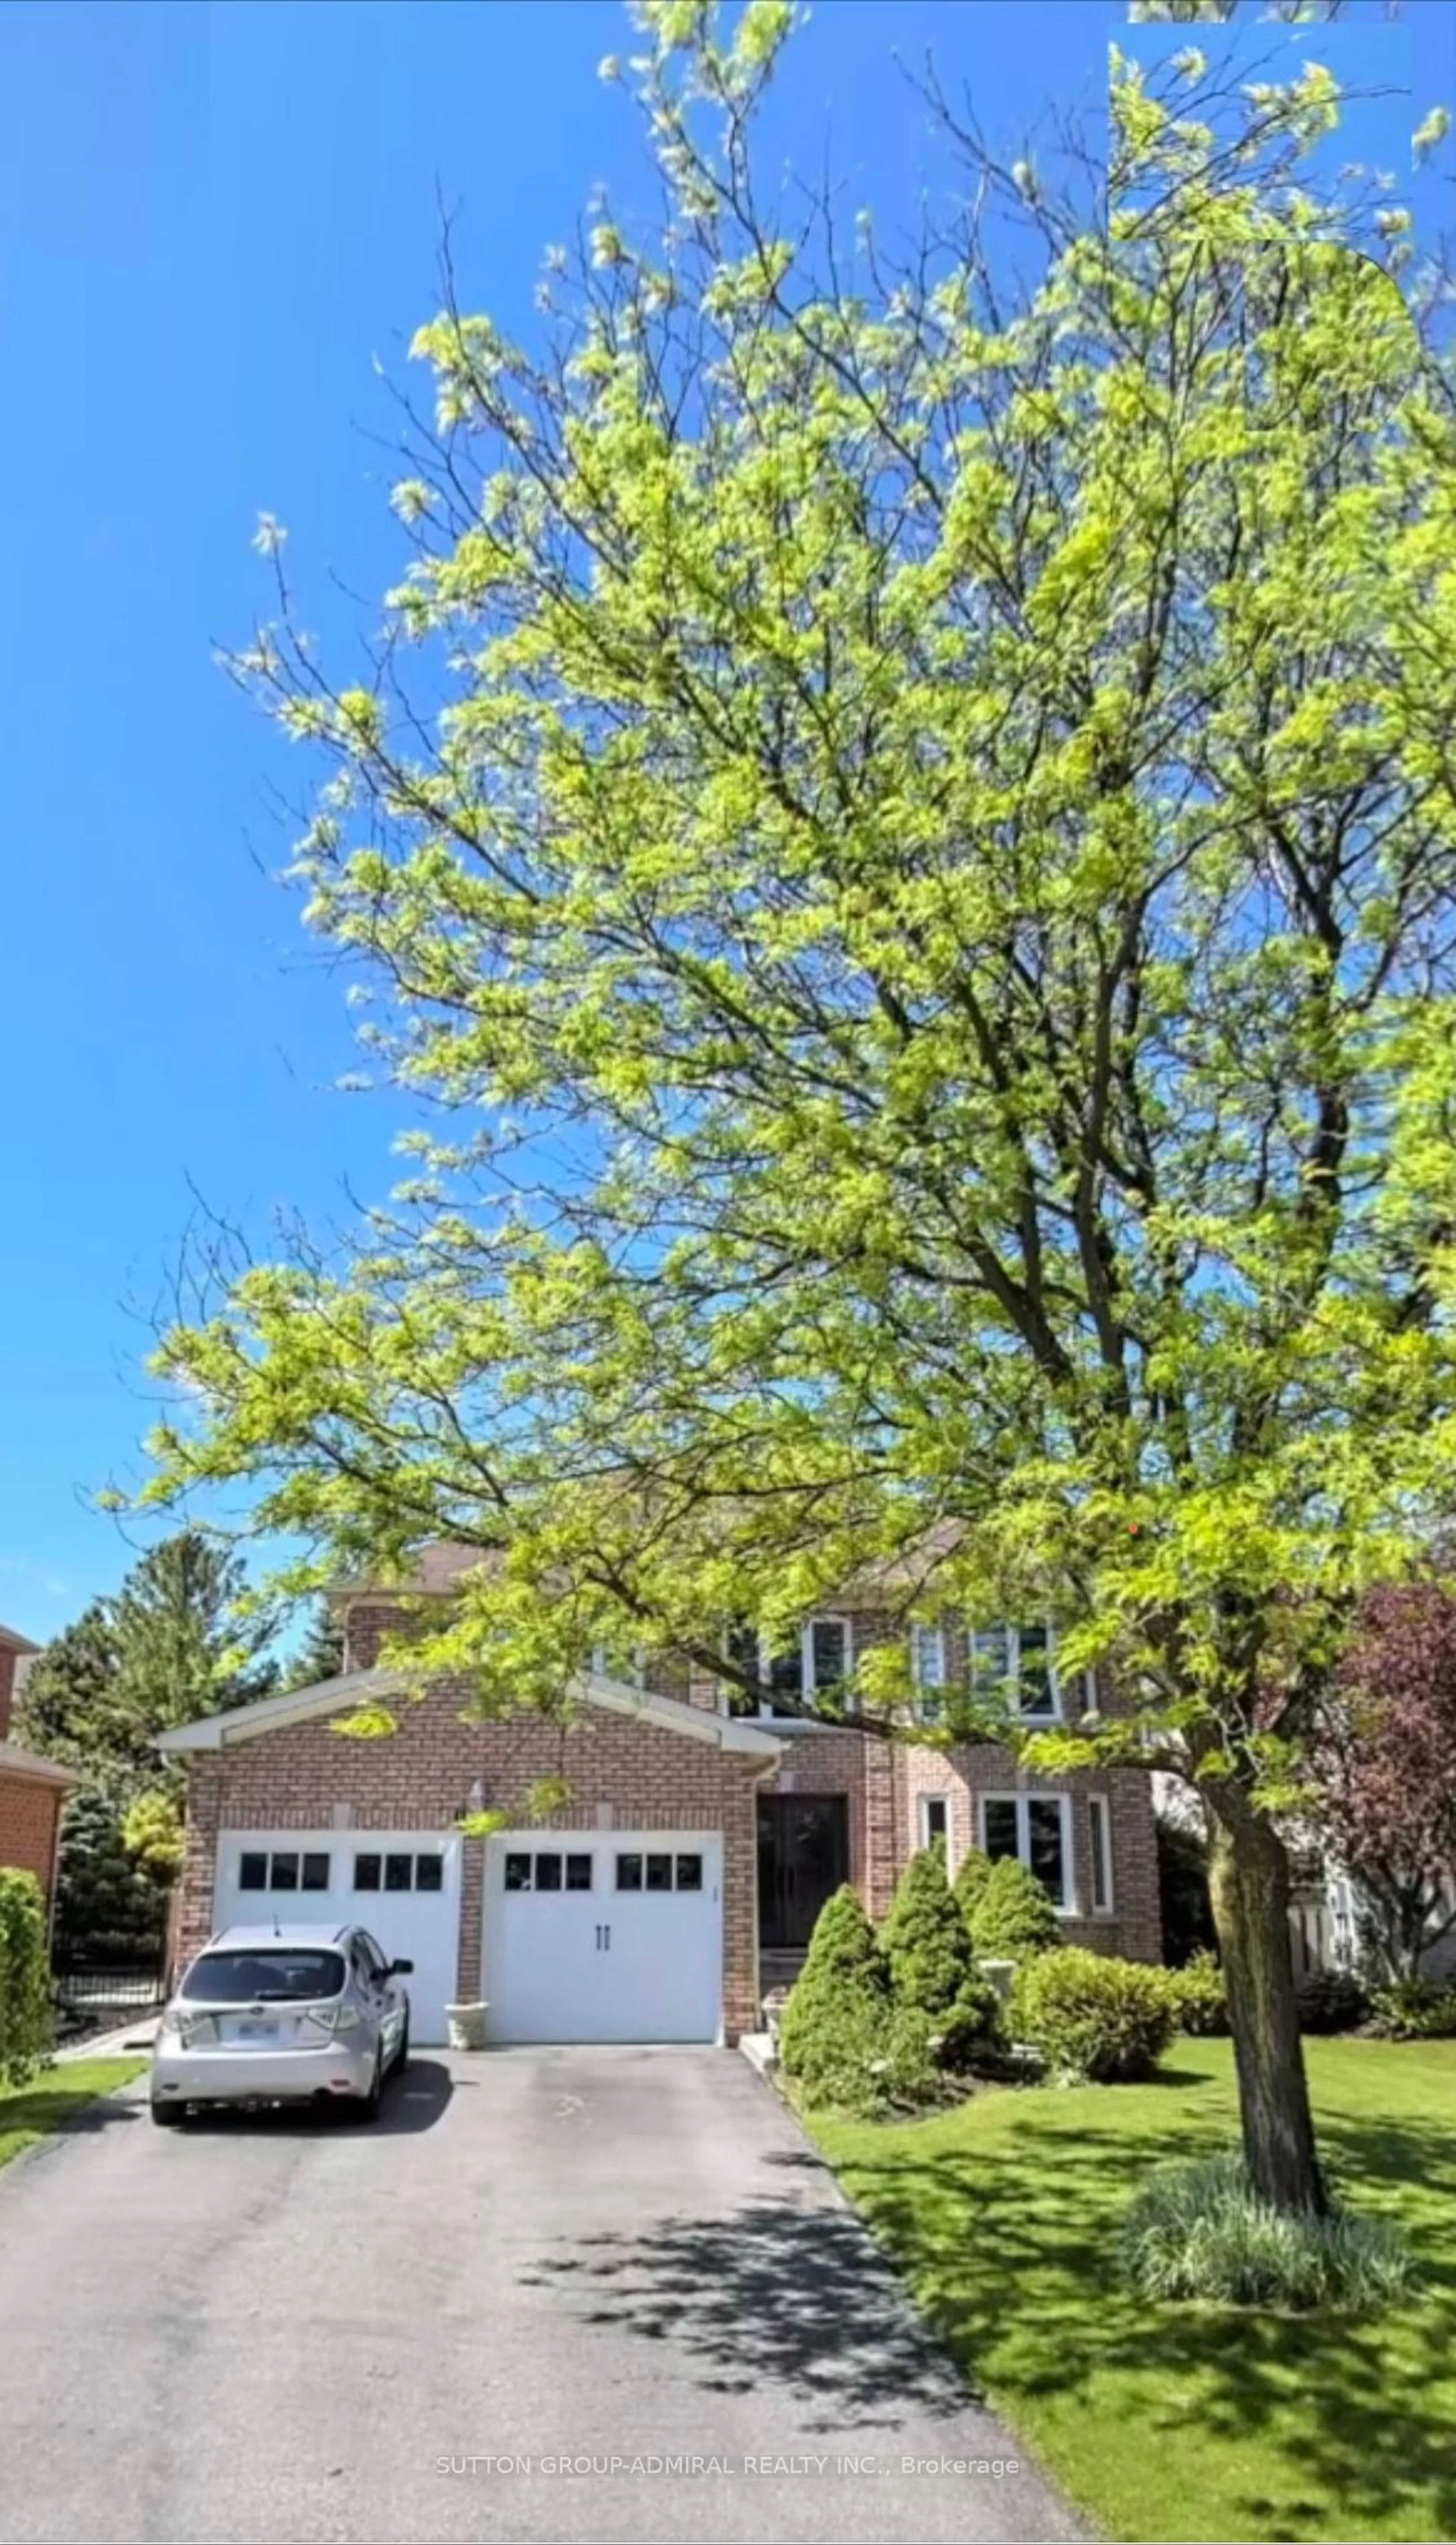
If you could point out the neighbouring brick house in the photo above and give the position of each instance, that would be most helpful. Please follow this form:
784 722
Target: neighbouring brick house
31 1788
698 1845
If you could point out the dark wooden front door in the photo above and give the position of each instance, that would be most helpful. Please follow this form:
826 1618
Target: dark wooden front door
803 1856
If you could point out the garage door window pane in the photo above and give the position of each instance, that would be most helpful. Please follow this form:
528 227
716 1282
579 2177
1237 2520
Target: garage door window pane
659 1873
283 1874
690 1873
253 1873
366 1873
629 1873
315 1873
517 1873
399 1872
549 1873
578 1873
428 1874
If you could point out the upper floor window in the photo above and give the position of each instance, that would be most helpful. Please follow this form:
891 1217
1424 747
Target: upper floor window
816 1666
1015 1665
928 1669
628 1669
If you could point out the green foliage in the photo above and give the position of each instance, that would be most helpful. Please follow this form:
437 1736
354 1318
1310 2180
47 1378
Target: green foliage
1199 1996
1199 2231
932 1969
971 1877
1330 2002
24 1977
173 1645
152 1834
1415 2010
320 1656
101 1897
834 2039
1012 1916
1095 2021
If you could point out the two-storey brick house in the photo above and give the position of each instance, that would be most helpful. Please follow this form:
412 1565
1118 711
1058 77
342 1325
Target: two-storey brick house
701 1838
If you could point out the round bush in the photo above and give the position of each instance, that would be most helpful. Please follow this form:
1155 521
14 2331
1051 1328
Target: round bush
1199 1996
1201 2231
1330 2002
834 2026
1011 1915
1095 2021
932 1968
1415 2011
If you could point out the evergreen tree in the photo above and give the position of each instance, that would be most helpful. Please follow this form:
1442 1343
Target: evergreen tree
932 1968
320 1656
971 1877
183 1647
836 2023
1014 1917
64 1708
102 1898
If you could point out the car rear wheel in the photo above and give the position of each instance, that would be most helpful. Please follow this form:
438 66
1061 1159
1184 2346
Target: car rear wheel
169 2116
366 2106
402 2054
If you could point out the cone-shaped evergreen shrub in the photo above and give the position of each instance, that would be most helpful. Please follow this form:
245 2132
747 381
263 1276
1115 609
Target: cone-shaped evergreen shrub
932 1968
971 1877
1014 1915
834 2035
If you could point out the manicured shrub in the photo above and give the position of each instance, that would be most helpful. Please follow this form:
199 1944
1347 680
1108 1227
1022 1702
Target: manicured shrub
1095 2021
1330 2002
1201 2231
971 1877
932 1968
836 2025
1415 2011
1197 1996
1012 1916
24 1977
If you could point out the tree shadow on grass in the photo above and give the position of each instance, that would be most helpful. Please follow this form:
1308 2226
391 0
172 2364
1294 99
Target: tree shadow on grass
774 2295
1012 2253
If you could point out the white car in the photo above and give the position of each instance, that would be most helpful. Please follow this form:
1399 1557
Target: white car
282 2015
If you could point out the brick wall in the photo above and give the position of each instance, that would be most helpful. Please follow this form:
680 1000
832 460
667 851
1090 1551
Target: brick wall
29 1812
422 1777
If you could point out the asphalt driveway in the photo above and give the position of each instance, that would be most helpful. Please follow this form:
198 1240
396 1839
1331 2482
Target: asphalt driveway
289 2329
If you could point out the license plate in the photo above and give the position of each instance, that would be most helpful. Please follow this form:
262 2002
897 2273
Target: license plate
257 2033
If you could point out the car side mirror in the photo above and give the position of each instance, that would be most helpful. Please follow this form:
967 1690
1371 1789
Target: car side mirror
401 1971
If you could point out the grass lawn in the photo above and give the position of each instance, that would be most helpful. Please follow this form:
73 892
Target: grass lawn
1169 2421
48 2102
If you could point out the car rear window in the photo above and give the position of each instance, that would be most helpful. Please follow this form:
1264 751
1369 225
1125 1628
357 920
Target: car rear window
233 1979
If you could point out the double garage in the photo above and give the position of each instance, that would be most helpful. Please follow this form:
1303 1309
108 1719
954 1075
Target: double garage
638 1923
584 1937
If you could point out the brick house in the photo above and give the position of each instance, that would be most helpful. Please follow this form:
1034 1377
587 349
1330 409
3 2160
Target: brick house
700 1843
31 1788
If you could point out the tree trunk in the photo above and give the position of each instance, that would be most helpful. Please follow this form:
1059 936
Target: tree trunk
1249 1880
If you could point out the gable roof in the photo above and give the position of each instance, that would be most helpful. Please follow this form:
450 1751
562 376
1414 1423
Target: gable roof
16 1762
340 1695
10 1642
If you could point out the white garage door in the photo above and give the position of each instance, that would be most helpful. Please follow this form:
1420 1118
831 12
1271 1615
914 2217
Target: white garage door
402 1885
591 1938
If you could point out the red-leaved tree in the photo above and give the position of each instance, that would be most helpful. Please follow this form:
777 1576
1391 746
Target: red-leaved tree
1385 1763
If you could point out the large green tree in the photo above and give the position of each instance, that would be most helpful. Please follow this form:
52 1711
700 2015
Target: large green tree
916 858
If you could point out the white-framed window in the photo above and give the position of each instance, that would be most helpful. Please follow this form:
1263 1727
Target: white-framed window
928 1669
816 1664
933 1812
1017 1664
628 1669
1037 1829
1099 1819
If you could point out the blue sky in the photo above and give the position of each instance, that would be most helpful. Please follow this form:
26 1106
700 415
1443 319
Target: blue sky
212 219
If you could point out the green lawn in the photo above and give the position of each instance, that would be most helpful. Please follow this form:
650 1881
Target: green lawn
1165 2422
49 2100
